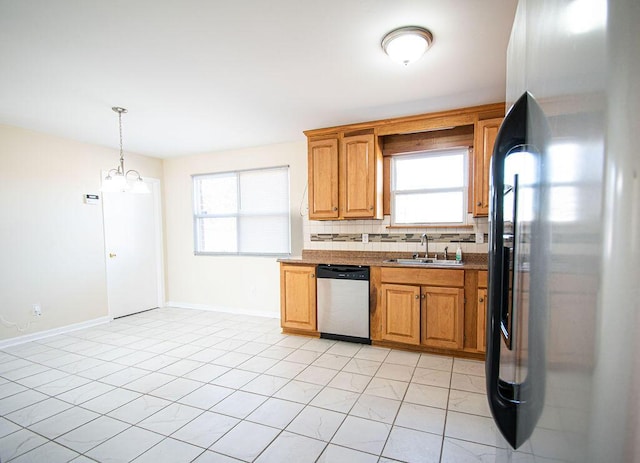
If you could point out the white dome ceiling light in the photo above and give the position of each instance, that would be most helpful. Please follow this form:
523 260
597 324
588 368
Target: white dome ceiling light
407 44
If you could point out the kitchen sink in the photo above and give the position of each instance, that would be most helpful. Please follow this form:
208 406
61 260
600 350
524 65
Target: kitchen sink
409 261
423 261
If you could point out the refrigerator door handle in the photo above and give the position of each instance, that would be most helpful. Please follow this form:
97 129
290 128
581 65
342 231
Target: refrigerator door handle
515 406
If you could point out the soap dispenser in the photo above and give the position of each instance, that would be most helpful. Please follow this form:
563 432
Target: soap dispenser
459 254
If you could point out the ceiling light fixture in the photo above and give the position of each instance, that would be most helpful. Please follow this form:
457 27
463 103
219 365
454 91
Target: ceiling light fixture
406 44
118 179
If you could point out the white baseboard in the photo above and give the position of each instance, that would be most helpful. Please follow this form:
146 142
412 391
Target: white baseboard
53 332
255 313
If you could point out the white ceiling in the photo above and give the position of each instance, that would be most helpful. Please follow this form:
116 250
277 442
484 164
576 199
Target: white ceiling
208 75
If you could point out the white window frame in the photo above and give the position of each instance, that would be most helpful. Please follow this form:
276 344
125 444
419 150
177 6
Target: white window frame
238 214
464 189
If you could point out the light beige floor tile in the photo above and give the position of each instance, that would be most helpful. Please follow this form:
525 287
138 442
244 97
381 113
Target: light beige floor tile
376 408
239 404
92 434
469 402
421 418
387 388
435 362
334 453
317 423
432 377
469 383
246 441
334 399
290 447
431 396
18 443
413 446
170 451
473 428
125 446
360 434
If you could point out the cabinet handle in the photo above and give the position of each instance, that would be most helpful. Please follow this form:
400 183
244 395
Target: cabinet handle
424 296
370 208
312 275
479 203
481 299
335 208
417 297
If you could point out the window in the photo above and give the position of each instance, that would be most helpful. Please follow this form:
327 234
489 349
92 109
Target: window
243 212
429 187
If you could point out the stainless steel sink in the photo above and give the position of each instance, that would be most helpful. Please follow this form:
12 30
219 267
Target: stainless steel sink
448 263
409 261
423 261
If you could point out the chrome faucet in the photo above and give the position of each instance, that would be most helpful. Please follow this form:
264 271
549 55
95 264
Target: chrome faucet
446 248
424 239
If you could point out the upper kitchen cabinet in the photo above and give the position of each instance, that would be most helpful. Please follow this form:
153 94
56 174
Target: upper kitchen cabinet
323 179
486 132
345 177
346 167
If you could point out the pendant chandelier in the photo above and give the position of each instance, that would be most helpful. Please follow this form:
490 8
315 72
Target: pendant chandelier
118 179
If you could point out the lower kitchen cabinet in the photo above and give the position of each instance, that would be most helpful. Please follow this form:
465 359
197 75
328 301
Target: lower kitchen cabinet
401 313
424 308
482 320
481 330
443 317
298 297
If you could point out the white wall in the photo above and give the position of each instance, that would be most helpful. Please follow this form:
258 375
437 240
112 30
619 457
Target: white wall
51 243
237 283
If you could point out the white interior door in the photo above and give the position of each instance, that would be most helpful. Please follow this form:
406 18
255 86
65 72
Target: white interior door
133 245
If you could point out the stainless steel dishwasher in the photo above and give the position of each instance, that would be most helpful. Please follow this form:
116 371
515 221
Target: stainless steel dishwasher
343 303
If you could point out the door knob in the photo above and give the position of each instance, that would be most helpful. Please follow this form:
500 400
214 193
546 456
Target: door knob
112 255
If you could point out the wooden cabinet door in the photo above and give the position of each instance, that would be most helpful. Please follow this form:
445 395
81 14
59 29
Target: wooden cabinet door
298 297
442 317
481 332
358 176
485 137
401 313
323 179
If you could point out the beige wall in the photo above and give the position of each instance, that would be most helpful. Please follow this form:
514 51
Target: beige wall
238 283
52 244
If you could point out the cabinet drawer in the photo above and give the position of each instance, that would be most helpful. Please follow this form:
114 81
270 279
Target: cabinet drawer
423 276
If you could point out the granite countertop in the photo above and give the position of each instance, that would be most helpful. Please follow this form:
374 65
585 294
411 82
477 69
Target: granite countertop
470 261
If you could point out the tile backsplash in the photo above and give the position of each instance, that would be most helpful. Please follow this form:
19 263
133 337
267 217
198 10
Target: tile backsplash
346 235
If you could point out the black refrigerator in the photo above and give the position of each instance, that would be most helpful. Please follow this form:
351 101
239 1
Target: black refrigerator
563 323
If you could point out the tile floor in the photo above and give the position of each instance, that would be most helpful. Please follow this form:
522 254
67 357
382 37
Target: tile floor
174 385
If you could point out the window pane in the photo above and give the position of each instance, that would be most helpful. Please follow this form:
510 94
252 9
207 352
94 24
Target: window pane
264 234
429 208
246 212
217 234
218 194
264 191
429 172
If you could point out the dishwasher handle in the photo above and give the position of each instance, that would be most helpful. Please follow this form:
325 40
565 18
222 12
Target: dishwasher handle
343 272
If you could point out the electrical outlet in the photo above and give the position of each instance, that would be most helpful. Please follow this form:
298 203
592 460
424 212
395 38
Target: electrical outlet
37 310
365 237
479 238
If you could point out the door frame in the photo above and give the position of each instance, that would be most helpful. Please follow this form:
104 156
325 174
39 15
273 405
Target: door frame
154 184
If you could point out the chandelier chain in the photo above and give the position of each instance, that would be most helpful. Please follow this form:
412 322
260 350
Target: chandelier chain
120 130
